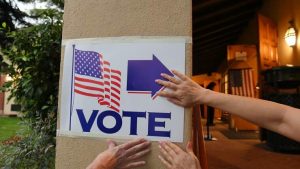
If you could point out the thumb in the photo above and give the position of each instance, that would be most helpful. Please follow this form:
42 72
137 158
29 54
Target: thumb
189 147
111 144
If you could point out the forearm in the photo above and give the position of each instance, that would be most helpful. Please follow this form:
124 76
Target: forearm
264 113
277 117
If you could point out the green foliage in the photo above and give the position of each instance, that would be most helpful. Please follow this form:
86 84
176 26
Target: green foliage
9 14
4 25
33 64
58 3
32 60
35 150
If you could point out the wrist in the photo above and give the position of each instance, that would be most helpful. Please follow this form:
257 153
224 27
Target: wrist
203 96
99 166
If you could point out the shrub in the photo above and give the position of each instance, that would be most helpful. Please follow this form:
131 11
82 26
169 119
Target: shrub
32 60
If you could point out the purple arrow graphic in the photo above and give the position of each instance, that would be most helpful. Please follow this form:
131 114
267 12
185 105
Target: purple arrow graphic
141 76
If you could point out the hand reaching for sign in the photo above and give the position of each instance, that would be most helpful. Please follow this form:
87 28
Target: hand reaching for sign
123 156
173 157
183 91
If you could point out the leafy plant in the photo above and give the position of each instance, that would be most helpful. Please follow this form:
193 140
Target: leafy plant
32 60
9 15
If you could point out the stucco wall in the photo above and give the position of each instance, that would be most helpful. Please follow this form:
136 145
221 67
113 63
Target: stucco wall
7 105
113 18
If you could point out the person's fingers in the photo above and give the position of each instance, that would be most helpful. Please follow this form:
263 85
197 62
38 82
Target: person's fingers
165 162
133 165
133 143
167 84
166 94
170 78
168 149
180 75
111 144
137 148
189 147
174 147
138 155
165 154
189 150
175 101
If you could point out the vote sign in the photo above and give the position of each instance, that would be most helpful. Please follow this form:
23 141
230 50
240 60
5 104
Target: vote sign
108 89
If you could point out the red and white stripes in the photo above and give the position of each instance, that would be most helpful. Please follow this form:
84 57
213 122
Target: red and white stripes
247 87
115 90
112 86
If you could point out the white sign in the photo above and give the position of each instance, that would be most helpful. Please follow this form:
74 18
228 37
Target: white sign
109 89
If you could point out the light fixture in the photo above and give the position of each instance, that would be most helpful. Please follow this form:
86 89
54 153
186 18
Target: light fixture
290 35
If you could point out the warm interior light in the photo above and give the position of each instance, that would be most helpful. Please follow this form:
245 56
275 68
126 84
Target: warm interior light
290 35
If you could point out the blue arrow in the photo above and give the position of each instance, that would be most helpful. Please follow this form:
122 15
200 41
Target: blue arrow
141 75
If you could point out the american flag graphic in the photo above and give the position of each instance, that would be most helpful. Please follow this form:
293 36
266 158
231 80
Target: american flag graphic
94 78
241 82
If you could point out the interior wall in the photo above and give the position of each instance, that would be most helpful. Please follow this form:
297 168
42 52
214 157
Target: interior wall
113 18
281 12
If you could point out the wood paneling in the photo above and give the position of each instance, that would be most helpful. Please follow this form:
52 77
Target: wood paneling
268 42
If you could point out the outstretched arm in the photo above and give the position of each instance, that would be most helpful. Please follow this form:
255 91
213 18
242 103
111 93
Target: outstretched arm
276 117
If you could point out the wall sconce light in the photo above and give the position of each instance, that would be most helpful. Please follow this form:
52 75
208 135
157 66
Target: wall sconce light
290 35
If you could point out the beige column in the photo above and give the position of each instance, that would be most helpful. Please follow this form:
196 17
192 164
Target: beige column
114 18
